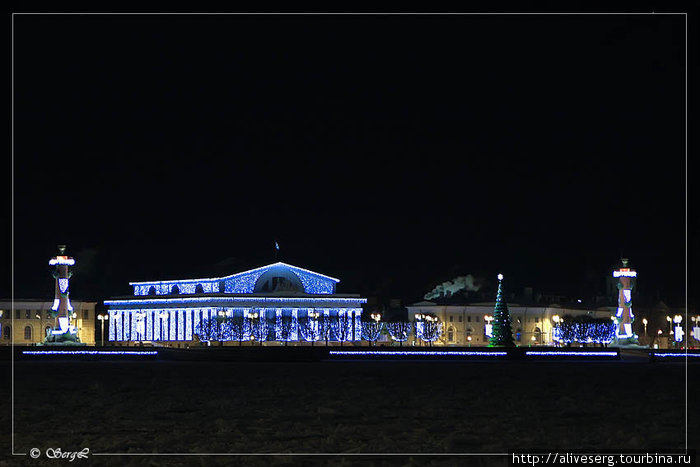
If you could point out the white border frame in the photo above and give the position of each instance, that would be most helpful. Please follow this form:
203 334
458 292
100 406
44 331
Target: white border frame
12 235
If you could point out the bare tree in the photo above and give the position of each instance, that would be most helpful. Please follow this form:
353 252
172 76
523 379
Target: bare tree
371 330
342 327
399 331
325 327
310 328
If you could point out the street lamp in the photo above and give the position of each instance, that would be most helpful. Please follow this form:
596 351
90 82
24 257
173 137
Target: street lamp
645 322
376 317
668 318
532 341
102 319
678 335
469 339
487 327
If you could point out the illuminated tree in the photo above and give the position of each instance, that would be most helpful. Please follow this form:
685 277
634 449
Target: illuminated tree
501 332
342 327
399 331
586 329
325 327
285 327
428 328
238 329
309 328
371 330
207 330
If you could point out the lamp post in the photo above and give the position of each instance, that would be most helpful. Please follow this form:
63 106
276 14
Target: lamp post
678 335
532 341
668 318
556 320
645 322
469 339
376 317
102 319
488 332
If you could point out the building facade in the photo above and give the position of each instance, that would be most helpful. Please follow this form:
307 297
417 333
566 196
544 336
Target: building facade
462 322
26 322
273 303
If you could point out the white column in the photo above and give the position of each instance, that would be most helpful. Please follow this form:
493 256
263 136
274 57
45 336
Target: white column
172 321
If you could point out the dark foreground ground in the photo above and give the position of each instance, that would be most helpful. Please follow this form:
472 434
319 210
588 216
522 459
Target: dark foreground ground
352 407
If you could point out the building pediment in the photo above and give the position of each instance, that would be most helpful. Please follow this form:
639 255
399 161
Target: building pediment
273 278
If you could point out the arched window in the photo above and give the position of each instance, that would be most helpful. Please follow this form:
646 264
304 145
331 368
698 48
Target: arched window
538 335
450 334
199 289
175 290
151 290
7 332
47 330
27 333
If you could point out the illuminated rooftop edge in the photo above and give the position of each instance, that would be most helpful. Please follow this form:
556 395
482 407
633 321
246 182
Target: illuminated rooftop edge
62 261
156 301
624 273
212 279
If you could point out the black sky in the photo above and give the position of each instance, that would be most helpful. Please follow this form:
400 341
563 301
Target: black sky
388 151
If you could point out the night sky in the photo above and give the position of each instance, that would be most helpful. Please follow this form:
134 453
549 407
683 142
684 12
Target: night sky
391 152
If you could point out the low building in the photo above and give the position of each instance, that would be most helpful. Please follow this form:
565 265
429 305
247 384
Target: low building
26 322
462 321
270 303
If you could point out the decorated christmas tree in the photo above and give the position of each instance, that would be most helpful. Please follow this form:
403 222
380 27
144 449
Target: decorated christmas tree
501 332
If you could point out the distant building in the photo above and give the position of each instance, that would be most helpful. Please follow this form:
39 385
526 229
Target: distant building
27 321
461 321
279 297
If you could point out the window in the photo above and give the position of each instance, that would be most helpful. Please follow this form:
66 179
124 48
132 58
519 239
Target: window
47 330
7 332
85 314
469 319
27 333
477 319
450 335
16 314
537 319
48 314
28 313
460 318
451 320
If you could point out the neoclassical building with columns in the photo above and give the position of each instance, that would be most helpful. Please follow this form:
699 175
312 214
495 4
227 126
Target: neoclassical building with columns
173 312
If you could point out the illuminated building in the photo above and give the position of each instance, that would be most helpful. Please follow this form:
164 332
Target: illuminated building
277 302
29 320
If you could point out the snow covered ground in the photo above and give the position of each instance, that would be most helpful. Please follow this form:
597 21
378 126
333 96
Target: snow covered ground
353 407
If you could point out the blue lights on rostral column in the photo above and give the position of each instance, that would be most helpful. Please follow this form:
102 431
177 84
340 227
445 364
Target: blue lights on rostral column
63 332
624 316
